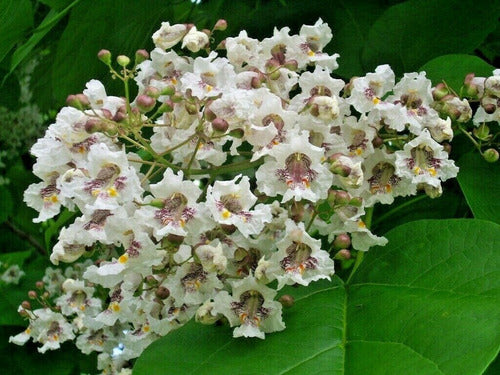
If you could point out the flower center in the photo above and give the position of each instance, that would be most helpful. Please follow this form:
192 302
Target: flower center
98 219
383 178
299 258
297 172
250 309
422 161
194 278
175 210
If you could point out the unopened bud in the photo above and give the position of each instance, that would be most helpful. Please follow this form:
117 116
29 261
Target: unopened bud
220 25
26 305
93 125
339 169
175 238
278 53
446 147
24 313
292 65
106 113
343 254
220 125
237 133
377 141
123 60
45 295
140 56
286 300
356 202
440 91
72 101
342 241
152 91
169 90
40 284
490 155
489 108
221 45
482 132
32 294
105 56
228 228
342 198
167 106
145 103
191 108
162 292
151 280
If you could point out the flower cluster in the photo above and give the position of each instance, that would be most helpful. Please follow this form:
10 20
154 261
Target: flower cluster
214 188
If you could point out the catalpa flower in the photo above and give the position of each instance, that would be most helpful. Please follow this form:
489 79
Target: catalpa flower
423 160
296 171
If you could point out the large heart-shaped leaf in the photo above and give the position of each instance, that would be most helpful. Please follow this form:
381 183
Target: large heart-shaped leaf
411 33
481 186
454 68
427 303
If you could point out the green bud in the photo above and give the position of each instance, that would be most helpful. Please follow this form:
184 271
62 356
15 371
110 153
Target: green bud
356 202
220 25
237 133
342 241
482 132
343 254
123 60
140 56
145 103
105 56
491 155
169 90
157 202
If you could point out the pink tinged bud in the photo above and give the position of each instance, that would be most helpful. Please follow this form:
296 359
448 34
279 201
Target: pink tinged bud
468 78
228 229
105 56
123 60
340 169
24 313
221 45
489 108
145 103
191 108
343 254
141 55
209 114
93 125
491 155
168 106
72 101
40 284
342 241
292 65
440 91
220 125
32 294
162 292
377 142
220 25
153 92
175 239
446 147
26 305
286 300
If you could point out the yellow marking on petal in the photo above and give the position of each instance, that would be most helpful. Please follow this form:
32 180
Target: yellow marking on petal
112 192
182 223
432 172
375 100
359 151
174 81
417 170
123 259
208 88
146 328
388 188
361 224
96 192
311 53
27 331
226 214
82 307
55 337
115 306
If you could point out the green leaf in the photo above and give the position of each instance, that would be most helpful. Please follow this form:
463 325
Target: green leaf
16 16
6 204
409 34
51 20
427 303
453 68
57 4
480 184
16 257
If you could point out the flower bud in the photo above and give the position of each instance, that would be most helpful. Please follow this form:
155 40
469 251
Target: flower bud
286 300
292 65
228 228
72 101
489 104
32 294
471 89
237 133
490 155
356 201
169 35
342 198
167 106
377 141
175 238
145 103
326 108
152 91
204 314
140 56
26 305
123 60
93 125
220 125
221 45
482 132
191 108
278 53
440 91
446 147
162 292
492 86
343 254
40 284
431 191
24 313
220 25
151 280
342 241
105 56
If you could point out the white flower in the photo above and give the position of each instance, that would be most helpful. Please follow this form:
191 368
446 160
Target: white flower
423 161
12 275
194 40
296 171
168 35
251 308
